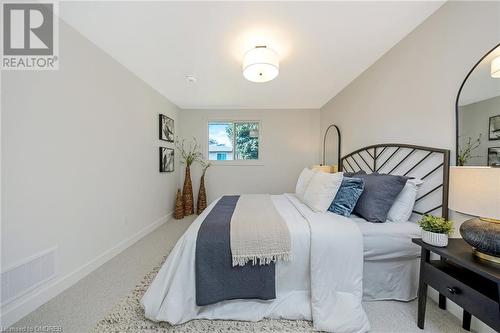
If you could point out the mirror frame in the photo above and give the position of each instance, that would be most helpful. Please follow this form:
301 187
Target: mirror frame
458 97
338 147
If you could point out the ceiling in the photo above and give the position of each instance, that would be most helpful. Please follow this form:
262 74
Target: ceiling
480 85
323 46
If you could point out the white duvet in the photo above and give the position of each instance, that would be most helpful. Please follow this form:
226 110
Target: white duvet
322 282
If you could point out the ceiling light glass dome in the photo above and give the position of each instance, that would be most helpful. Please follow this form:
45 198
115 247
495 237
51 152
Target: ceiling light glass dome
260 64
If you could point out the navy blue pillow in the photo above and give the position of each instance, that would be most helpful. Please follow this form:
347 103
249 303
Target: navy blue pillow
379 194
347 196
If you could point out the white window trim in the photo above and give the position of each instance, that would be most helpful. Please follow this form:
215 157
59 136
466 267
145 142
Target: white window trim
257 162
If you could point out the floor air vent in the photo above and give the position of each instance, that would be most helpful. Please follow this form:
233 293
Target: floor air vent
26 276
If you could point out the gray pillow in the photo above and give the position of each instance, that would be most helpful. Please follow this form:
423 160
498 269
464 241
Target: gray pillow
379 194
354 174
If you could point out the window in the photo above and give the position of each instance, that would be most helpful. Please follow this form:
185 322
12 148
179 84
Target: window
233 140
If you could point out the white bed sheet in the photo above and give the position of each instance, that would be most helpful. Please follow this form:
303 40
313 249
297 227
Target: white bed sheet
395 279
389 240
391 260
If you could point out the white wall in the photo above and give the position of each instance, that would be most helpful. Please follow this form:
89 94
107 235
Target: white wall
289 142
408 96
474 120
79 164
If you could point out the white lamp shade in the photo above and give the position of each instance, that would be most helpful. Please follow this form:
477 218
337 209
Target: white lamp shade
322 168
260 64
475 191
495 67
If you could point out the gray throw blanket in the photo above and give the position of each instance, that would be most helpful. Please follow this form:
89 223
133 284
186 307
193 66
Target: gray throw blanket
216 278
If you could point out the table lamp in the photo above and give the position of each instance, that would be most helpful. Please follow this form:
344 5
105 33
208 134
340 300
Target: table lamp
325 168
476 191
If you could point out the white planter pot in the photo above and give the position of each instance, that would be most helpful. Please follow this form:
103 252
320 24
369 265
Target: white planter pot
435 239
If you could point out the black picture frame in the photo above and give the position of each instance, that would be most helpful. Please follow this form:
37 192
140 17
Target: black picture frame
492 120
491 160
166 128
166 159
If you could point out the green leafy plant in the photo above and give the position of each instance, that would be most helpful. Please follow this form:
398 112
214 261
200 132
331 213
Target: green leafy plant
190 153
436 224
465 153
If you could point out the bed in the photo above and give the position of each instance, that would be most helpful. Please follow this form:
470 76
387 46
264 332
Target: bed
377 261
391 260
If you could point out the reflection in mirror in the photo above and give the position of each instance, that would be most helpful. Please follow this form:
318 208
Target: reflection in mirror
478 114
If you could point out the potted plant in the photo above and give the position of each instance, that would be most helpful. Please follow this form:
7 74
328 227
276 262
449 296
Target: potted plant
465 153
435 230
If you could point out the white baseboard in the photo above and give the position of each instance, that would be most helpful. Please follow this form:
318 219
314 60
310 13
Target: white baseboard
18 309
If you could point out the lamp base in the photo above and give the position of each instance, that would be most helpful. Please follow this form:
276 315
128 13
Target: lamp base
484 237
487 219
485 256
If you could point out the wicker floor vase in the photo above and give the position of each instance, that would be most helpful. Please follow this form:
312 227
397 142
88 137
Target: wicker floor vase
179 206
201 203
187 193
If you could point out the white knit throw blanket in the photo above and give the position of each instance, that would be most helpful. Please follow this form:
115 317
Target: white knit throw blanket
258 232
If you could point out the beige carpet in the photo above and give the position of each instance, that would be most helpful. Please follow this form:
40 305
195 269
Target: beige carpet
385 317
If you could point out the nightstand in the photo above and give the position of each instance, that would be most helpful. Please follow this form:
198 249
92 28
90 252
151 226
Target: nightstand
469 282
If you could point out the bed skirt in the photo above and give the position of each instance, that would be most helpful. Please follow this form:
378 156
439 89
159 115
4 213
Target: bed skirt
390 279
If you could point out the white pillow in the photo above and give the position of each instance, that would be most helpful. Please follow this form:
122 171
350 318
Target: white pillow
322 190
403 205
303 181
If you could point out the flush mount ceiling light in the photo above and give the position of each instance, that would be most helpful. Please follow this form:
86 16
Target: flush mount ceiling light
260 64
495 68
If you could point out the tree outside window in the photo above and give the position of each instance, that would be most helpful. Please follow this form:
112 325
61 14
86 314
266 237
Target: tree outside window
242 135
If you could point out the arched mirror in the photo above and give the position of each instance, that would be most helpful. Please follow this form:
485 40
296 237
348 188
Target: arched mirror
331 146
478 113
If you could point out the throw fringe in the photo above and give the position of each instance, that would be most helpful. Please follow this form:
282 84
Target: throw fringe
242 260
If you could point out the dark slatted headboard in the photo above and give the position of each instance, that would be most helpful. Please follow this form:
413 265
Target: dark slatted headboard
429 164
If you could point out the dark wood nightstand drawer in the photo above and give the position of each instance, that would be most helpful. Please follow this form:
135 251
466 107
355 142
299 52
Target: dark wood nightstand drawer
469 282
475 293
